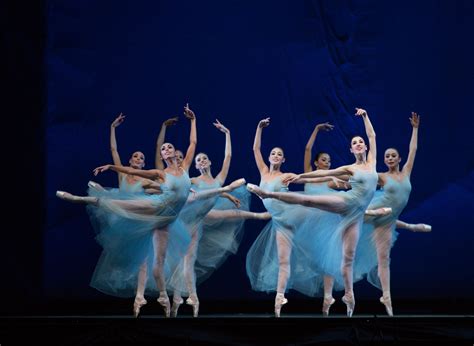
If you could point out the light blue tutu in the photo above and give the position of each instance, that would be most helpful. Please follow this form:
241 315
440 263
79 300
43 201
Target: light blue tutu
326 243
394 194
125 233
220 237
295 224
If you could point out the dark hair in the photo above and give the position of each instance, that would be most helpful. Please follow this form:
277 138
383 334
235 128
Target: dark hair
354 136
318 155
398 153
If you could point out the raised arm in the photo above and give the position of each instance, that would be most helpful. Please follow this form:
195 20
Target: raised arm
160 140
309 146
369 130
227 155
262 167
415 123
188 159
113 141
148 174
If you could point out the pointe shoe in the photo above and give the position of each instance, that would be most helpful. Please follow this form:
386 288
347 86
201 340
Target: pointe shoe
420 227
235 184
76 199
137 304
280 300
94 185
263 216
350 304
175 306
387 301
194 302
327 302
164 301
378 212
67 196
256 190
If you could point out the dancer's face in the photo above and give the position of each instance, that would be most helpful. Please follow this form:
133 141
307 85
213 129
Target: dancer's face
179 157
202 161
276 156
358 145
392 158
167 151
323 161
137 160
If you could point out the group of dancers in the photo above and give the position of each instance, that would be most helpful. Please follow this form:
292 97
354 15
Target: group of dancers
164 232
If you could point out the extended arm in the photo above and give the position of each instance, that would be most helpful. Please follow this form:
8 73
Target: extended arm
415 122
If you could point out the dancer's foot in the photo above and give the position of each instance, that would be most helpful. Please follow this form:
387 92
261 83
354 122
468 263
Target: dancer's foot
164 301
419 227
137 304
280 300
257 190
350 304
96 186
262 216
76 199
378 212
177 301
327 302
234 185
387 301
194 302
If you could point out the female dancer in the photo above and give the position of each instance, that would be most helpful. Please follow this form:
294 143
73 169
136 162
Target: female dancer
378 233
280 248
132 217
351 205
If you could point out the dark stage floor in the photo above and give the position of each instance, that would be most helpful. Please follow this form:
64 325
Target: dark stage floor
239 329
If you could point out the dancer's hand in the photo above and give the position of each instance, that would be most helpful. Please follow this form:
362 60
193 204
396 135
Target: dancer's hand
188 113
361 112
290 177
118 120
339 183
170 121
325 126
264 123
101 169
234 200
221 127
414 120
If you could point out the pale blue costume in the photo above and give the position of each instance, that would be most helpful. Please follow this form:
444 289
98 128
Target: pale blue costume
126 233
262 262
394 194
329 254
213 240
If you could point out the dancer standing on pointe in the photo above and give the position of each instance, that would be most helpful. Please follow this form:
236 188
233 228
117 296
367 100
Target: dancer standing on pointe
351 205
378 233
126 222
280 250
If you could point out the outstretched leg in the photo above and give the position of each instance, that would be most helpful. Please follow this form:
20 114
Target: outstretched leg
331 203
414 227
215 192
234 214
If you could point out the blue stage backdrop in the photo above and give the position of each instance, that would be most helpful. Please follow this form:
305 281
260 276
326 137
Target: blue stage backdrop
298 62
